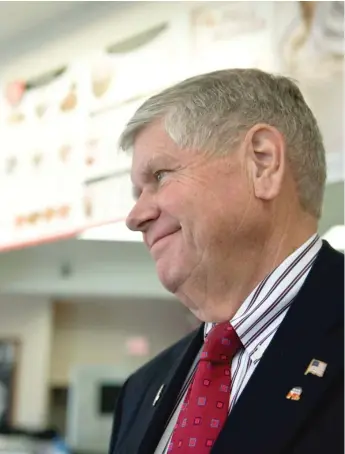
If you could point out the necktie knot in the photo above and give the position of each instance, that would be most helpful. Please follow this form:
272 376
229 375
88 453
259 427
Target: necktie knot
221 344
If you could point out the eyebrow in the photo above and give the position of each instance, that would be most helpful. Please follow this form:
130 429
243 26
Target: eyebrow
158 160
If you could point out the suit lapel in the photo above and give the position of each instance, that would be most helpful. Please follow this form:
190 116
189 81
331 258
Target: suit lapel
263 416
152 419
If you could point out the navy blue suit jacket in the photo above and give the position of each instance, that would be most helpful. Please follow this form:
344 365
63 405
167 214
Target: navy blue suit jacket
263 421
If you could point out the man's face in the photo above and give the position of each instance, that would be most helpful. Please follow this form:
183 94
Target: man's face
194 210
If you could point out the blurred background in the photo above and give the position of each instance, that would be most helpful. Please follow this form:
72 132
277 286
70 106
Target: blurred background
80 305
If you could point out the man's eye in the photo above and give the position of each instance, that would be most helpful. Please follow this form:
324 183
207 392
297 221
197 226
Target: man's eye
160 174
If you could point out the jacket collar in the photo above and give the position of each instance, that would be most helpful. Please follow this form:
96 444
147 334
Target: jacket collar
272 297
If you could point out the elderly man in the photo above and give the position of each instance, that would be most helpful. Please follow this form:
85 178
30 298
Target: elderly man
229 174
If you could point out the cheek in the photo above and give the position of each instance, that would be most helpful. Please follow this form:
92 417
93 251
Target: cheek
207 216
184 206
222 215
178 199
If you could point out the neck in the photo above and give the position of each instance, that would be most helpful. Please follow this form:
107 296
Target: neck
230 283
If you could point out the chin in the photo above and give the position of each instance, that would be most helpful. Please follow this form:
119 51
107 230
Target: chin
170 277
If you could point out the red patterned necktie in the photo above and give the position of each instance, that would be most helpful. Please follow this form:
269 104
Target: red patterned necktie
205 408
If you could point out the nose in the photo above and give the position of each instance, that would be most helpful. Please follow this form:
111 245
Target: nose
142 214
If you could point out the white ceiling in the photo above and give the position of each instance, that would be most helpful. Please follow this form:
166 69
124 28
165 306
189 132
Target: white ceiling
19 17
26 26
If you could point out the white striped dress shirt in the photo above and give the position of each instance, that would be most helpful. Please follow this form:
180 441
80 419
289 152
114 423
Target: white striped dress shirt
256 323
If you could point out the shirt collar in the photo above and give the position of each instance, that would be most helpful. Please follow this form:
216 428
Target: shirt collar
252 322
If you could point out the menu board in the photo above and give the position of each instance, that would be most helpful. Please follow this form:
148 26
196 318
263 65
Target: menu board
313 44
60 168
52 153
232 34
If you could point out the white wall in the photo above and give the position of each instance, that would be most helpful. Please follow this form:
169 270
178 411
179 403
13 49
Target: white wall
95 333
124 270
29 320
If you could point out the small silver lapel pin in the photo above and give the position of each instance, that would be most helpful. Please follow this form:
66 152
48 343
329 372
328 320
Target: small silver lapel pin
158 395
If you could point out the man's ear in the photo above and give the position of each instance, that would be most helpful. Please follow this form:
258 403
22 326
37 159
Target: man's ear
266 155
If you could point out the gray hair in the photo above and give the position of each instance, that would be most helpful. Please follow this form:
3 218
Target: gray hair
210 112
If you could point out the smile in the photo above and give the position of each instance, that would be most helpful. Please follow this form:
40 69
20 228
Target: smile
162 239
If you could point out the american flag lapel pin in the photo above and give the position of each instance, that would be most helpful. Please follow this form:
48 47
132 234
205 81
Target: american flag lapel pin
158 395
316 367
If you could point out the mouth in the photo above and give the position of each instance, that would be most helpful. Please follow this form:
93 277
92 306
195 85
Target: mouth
160 239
